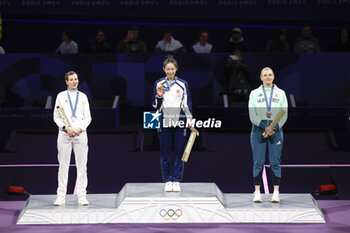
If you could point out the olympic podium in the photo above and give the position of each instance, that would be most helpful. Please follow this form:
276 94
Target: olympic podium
148 203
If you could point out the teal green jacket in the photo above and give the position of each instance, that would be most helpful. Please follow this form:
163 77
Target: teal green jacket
258 109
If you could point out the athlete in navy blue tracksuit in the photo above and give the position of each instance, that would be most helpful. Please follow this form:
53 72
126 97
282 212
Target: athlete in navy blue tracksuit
265 102
171 96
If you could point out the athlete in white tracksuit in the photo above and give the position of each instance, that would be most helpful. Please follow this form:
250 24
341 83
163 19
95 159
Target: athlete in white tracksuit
265 103
76 107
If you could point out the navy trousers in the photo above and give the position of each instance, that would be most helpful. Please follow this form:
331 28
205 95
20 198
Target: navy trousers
172 173
273 144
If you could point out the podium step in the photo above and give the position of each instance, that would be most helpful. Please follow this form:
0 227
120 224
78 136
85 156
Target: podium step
294 208
148 203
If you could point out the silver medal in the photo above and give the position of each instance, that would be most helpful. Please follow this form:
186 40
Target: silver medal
74 118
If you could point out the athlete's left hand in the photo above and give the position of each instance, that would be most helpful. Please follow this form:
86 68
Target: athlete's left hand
78 131
193 129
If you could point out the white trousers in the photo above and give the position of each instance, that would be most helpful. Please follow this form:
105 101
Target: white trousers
65 144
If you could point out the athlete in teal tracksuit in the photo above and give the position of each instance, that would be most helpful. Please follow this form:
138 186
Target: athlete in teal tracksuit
261 114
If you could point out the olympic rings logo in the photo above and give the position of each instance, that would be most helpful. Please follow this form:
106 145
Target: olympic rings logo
170 214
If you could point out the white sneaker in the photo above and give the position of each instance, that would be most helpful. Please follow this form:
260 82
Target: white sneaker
168 186
82 200
275 197
60 200
257 197
176 187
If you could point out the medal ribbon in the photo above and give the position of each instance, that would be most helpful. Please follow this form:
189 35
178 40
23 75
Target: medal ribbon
76 103
268 102
169 85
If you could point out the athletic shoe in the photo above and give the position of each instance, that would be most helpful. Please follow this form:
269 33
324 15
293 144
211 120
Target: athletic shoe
275 197
176 187
168 186
60 200
82 200
257 197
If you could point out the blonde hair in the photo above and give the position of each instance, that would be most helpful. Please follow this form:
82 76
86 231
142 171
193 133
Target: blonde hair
266 68
69 74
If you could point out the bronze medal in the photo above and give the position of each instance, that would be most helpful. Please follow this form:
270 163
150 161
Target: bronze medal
268 114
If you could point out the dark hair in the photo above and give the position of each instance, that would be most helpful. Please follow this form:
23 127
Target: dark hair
168 32
306 26
200 33
346 28
278 34
69 33
170 59
134 27
238 51
282 31
69 74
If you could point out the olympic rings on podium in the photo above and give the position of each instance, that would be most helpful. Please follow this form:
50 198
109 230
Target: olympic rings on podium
170 214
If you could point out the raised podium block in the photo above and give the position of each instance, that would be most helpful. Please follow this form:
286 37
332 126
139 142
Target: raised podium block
148 203
197 202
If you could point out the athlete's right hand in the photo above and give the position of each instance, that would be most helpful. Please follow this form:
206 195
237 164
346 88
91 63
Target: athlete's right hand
269 131
160 91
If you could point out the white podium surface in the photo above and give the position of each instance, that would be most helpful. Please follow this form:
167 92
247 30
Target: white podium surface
148 203
294 208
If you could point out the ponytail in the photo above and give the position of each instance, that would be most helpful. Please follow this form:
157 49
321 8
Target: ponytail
170 59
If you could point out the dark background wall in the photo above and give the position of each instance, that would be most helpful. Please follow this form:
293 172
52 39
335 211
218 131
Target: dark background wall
36 26
318 79
45 36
